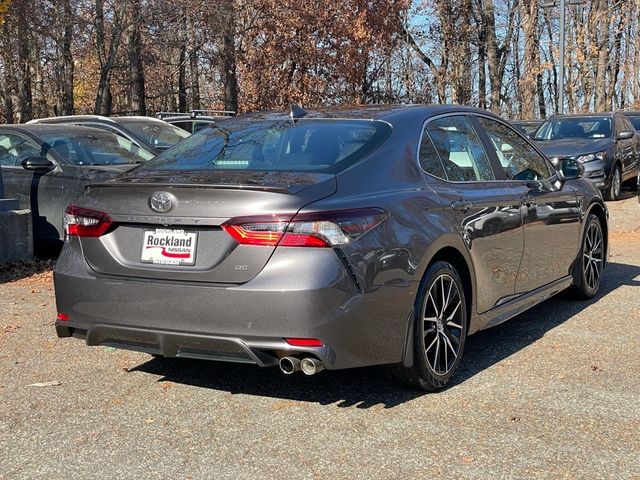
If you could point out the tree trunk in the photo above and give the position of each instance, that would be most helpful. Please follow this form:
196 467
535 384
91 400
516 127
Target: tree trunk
25 97
229 75
493 56
529 81
107 52
603 55
136 67
182 79
194 71
67 65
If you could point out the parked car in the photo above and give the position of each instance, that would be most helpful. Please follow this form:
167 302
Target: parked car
633 117
46 167
195 120
259 242
605 144
527 127
149 133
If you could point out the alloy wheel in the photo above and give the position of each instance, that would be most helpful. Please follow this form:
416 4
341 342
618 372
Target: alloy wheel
617 183
442 324
592 252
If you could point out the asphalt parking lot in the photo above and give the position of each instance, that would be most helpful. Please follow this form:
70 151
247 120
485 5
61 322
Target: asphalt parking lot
554 393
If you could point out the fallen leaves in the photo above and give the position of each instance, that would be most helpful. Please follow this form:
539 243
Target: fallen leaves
36 273
10 328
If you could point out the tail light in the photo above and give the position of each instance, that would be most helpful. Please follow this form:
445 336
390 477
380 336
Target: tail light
84 222
323 229
304 342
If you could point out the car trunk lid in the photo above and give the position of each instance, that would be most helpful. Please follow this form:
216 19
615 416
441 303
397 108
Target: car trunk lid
187 242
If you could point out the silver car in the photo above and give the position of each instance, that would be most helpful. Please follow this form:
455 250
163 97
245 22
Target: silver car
331 239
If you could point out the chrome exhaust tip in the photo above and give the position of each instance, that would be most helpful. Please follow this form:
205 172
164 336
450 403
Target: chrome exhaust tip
289 365
311 366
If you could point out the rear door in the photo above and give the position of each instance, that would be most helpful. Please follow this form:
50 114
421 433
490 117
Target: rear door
484 211
550 211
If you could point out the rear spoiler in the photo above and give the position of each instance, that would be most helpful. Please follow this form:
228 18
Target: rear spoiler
260 188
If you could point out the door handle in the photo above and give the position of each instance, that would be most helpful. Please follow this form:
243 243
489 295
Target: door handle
461 205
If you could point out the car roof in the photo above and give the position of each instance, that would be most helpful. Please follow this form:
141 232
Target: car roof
94 118
200 118
50 128
631 113
582 115
367 112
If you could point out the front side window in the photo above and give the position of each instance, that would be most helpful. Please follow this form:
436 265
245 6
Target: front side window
460 151
518 158
635 121
16 148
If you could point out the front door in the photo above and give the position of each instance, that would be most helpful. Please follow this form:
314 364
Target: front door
483 211
550 211
39 191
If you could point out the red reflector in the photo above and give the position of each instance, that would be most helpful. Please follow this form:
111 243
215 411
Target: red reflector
63 317
304 342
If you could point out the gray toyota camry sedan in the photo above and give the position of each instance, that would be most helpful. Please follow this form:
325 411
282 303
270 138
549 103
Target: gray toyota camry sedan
334 238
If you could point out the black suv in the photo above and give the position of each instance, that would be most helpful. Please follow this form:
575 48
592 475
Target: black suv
605 143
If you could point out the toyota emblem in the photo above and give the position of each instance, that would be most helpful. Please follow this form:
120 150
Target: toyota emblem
162 202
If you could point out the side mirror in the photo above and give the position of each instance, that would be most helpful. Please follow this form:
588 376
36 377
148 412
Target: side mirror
37 163
569 169
626 135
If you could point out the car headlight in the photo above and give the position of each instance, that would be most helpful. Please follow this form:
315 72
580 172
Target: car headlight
589 157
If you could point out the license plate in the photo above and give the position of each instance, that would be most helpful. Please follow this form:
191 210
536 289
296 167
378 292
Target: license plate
169 247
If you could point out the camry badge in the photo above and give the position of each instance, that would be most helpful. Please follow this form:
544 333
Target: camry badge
162 202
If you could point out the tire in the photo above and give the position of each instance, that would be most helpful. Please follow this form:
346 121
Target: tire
439 333
613 192
589 266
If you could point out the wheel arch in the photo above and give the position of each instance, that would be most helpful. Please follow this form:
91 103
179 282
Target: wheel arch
600 211
450 250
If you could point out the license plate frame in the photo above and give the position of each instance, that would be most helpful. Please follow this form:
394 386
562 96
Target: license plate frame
172 248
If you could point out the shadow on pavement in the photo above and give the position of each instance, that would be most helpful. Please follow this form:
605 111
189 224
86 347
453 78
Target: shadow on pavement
367 387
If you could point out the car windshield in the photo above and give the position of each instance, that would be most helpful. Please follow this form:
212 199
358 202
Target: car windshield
635 121
159 134
304 145
94 147
584 127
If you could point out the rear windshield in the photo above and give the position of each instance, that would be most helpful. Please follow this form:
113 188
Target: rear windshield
161 135
306 145
587 127
94 147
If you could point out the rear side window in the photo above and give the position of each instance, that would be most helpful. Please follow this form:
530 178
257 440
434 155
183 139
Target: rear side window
304 145
429 158
461 153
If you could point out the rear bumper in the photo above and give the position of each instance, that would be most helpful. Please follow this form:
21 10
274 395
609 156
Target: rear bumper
239 323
